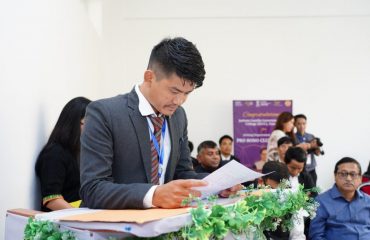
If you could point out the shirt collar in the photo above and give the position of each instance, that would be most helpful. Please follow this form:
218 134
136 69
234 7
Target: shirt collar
144 106
298 134
334 192
225 158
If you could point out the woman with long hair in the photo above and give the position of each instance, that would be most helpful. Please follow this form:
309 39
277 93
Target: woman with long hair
284 126
57 165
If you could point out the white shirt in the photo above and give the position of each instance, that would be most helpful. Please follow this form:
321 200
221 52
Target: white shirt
272 152
223 158
297 232
146 110
294 183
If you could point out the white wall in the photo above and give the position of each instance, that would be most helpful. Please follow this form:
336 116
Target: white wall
49 53
314 52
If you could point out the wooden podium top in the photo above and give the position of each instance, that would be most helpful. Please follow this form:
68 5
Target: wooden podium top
24 212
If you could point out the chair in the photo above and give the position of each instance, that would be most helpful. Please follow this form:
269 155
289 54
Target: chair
365 187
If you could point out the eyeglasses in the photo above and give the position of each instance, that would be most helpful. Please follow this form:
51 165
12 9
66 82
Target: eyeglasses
345 175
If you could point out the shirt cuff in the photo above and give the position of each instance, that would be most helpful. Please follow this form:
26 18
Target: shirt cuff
148 199
51 197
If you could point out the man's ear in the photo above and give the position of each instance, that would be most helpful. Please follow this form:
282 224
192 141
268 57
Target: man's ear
149 76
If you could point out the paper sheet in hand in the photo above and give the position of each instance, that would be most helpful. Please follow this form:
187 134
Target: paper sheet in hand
227 176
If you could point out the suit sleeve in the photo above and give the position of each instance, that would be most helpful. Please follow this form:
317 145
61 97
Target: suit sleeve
98 189
309 184
184 169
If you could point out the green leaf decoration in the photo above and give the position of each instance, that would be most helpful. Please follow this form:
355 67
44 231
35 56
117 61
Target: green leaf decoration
249 217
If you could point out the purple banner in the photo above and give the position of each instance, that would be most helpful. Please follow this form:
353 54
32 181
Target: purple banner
253 123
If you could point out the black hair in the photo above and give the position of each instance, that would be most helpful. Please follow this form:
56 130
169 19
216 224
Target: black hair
67 130
283 118
295 153
279 169
225 137
180 56
206 144
262 149
367 173
347 160
300 116
284 140
191 146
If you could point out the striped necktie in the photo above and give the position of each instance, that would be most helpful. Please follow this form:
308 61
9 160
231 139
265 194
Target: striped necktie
157 124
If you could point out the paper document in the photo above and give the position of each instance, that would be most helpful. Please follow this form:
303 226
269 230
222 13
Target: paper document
150 228
227 176
127 215
103 215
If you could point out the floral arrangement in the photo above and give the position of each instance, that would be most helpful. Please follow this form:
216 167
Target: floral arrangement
45 230
250 217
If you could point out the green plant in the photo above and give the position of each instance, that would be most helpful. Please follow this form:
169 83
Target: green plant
250 216
45 230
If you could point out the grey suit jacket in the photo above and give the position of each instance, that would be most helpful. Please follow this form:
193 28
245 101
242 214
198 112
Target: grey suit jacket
115 153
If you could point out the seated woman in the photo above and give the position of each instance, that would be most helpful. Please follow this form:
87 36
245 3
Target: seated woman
263 158
57 165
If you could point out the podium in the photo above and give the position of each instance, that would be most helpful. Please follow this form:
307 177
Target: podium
17 219
250 214
92 224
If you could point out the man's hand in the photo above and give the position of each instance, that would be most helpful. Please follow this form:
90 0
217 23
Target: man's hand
314 144
304 146
170 195
317 152
230 191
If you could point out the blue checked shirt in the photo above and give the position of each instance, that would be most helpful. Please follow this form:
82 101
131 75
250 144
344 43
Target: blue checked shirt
339 219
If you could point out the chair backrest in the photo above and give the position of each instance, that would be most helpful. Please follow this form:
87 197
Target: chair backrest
365 187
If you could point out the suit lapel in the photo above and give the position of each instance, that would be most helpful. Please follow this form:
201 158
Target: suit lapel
142 133
172 161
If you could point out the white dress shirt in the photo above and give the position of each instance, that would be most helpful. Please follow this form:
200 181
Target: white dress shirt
146 110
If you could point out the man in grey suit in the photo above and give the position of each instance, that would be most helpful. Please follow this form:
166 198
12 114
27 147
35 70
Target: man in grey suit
124 164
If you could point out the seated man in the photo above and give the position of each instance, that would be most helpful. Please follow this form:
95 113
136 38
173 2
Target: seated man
226 146
283 144
344 212
208 157
193 159
295 159
279 172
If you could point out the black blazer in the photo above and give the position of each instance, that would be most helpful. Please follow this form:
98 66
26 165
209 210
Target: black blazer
116 157
306 179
